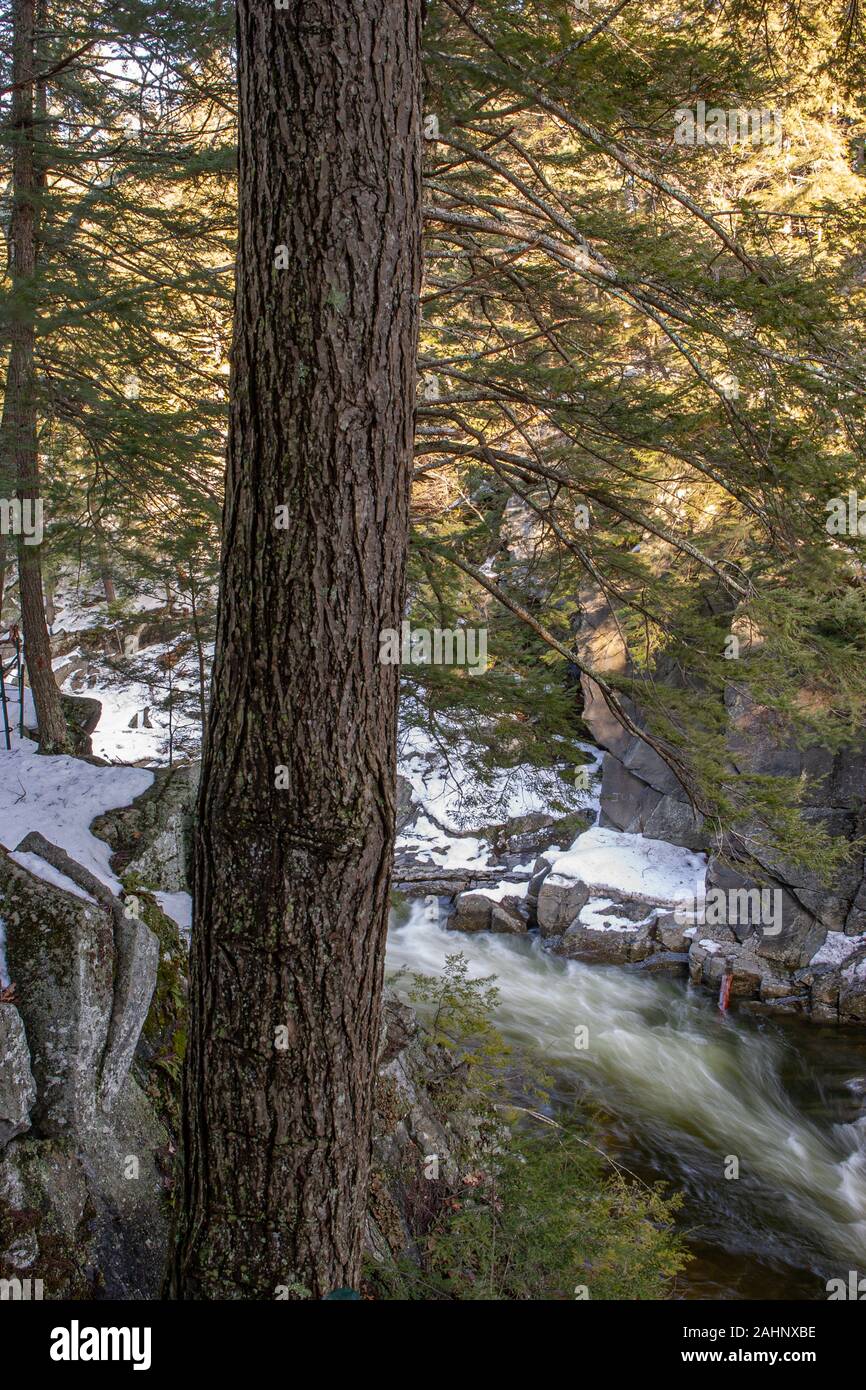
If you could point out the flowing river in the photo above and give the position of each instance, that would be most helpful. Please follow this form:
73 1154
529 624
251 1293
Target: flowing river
681 1089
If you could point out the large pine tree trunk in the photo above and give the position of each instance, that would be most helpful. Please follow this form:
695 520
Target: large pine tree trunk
291 881
19 444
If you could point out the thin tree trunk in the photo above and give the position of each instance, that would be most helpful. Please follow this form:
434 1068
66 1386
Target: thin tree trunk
3 563
296 805
105 575
20 441
199 647
7 487
48 596
107 583
170 711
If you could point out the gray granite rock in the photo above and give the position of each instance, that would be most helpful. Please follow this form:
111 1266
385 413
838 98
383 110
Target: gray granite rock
17 1087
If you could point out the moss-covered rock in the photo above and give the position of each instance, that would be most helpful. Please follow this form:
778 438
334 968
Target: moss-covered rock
83 1195
152 837
60 954
88 1215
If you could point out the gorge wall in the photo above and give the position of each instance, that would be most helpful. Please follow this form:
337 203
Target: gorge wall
816 962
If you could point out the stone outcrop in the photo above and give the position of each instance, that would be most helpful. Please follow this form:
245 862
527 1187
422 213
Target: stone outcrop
98 975
639 794
420 1143
82 714
478 911
82 1201
152 838
88 1214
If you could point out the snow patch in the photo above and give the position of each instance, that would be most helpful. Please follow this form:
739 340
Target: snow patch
432 845
503 890
60 796
632 866
123 697
836 948
455 797
177 906
596 916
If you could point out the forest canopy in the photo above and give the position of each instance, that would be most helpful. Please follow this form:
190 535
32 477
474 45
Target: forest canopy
642 344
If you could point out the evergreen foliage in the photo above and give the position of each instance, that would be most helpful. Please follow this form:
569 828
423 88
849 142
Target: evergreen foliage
641 357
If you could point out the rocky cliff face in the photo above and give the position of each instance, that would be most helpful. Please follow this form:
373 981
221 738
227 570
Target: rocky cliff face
810 957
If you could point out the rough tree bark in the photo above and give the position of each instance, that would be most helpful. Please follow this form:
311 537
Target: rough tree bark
292 868
19 444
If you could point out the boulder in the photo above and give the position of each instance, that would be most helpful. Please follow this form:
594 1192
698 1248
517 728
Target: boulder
82 714
540 870
508 916
152 838
472 912
60 951
621 868
603 941
560 898
671 934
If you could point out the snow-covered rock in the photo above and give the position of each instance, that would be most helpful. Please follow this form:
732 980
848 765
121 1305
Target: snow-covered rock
59 797
603 896
151 837
499 908
836 948
631 868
